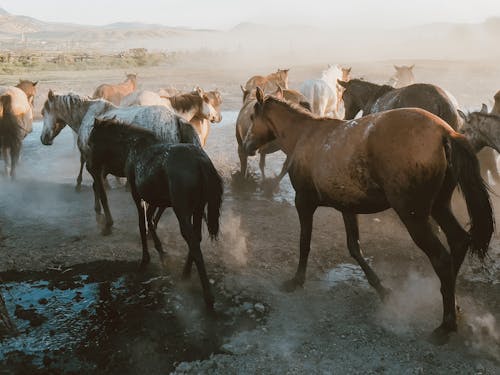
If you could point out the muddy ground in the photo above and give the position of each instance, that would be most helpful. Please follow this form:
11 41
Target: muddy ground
82 297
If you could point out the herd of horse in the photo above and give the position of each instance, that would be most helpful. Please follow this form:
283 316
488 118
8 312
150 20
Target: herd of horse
350 144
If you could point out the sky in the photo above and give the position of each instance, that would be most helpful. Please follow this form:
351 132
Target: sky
224 14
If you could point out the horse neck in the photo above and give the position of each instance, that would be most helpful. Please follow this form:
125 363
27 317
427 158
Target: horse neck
370 96
286 124
489 131
73 113
181 110
129 83
330 76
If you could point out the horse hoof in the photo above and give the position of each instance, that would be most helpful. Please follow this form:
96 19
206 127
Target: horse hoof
291 285
440 336
78 188
106 231
385 294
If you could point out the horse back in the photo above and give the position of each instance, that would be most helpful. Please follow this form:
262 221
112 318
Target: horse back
420 95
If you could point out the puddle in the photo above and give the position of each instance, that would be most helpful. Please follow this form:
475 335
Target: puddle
108 318
345 272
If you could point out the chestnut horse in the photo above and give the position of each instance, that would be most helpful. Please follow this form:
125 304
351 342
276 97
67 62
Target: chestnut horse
115 93
29 88
243 123
270 82
406 159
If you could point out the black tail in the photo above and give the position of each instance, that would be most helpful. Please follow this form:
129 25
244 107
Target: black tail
212 193
465 167
10 131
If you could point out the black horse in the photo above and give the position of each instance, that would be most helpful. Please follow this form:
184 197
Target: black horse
11 136
180 176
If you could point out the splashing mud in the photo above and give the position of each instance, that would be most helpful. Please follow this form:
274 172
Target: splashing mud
105 316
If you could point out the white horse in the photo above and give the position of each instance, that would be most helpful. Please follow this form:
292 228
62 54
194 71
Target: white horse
402 77
323 94
80 112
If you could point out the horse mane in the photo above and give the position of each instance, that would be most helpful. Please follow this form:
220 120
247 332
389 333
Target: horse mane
184 102
298 109
489 115
122 127
357 81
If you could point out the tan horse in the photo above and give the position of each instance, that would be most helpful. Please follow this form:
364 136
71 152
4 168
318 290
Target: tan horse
270 82
29 88
169 91
406 159
200 123
115 93
243 123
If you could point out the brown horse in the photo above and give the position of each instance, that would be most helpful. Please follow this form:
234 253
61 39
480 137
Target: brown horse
243 123
370 98
29 88
115 93
406 159
270 82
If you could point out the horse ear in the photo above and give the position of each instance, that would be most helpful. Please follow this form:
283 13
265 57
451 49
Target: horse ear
34 83
397 67
411 66
199 90
329 66
484 108
349 69
260 95
344 84
462 115
51 95
243 89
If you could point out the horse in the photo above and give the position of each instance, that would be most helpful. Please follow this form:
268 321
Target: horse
481 129
29 88
402 77
371 98
180 176
169 91
323 93
115 93
16 122
79 112
201 123
270 82
243 123
405 159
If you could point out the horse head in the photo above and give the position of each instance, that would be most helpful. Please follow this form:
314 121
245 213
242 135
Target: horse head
29 88
477 128
259 132
404 75
215 100
52 124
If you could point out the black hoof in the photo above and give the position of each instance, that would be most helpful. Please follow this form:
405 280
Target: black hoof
78 188
106 231
440 336
291 285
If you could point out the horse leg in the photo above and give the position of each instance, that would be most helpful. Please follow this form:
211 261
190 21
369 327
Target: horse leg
142 225
352 232
152 229
424 237
305 208
6 160
243 160
99 186
262 165
197 219
157 217
78 186
193 241
14 158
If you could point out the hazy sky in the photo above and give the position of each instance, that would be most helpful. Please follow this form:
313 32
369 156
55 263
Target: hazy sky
227 13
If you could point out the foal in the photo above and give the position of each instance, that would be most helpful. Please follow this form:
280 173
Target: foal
163 175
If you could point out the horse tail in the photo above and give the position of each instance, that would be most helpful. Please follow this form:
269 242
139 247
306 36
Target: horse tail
10 131
465 168
212 194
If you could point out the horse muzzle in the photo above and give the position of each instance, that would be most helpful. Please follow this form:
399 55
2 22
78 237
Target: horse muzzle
46 140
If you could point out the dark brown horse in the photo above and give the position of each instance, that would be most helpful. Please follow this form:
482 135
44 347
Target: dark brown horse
370 98
406 159
163 175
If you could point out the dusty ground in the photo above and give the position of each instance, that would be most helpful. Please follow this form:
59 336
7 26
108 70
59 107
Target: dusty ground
336 324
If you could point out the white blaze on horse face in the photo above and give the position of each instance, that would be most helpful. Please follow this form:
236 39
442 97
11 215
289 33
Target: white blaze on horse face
209 112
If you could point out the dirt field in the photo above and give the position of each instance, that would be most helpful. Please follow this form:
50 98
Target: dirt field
83 297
